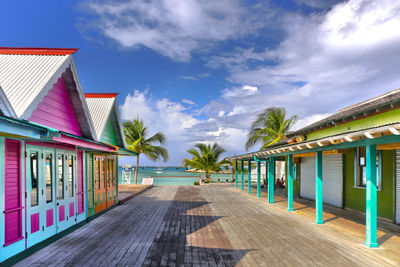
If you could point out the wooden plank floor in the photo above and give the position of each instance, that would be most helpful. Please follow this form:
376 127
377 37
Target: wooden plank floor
213 225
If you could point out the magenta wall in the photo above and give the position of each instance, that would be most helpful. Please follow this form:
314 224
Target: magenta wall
13 205
56 110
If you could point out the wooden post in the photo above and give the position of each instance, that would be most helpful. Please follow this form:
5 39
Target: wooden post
258 179
271 179
318 189
290 182
242 185
236 174
249 180
371 197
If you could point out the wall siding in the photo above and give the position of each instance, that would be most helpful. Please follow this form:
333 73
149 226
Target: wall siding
56 110
109 134
13 211
355 197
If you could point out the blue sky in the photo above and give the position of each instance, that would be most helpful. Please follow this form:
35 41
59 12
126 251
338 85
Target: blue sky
201 70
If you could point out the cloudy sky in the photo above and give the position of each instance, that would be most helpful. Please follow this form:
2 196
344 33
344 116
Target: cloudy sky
201 70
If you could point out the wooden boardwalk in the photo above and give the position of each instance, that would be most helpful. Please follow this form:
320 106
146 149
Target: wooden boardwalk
214 225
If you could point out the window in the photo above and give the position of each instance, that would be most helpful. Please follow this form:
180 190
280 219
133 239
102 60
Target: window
361 168
97 172
103 171
112 175
49 178
34 179
60 162
71 175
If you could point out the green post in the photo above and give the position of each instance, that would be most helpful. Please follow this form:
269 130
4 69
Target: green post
242 185
290 183
371 199
236 174
258 178
271 180
318 189
249 181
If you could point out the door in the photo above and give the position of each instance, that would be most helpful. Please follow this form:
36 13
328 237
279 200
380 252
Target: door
40 194
110 181
100 183
66 189
332 176
12 189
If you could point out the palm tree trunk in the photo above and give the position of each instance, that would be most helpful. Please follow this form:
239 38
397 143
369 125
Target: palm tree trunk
137 168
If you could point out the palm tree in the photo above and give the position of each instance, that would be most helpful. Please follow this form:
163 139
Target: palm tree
205 158
136 135
270 127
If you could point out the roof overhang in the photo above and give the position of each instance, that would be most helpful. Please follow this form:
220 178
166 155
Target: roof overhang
83 142
11 127
386 134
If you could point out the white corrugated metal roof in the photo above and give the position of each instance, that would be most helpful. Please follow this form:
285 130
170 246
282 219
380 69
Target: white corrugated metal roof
23 77
27 79
100 109
5 106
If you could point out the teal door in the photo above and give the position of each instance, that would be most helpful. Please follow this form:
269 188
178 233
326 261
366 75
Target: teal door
40 196
66 189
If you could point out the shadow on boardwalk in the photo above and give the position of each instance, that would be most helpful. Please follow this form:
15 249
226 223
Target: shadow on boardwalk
184 240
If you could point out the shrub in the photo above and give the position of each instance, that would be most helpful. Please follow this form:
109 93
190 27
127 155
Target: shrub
196 183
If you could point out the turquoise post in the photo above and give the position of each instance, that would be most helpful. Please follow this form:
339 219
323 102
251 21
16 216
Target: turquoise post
318 189
290 183
371 198
236 174
271 180
258 178
249 181
242 185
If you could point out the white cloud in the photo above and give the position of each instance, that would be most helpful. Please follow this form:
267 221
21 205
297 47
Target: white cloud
172 28
189 78
327 61
245 90
309 120
250 88
179 125
237 110
221 113
188 101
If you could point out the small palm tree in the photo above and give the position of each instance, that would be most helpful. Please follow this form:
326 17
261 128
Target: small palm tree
136 135
270 127
205 158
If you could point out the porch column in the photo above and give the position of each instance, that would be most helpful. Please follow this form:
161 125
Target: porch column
258 178
242 185
371 200
290 183
249 180
236 174
271 179
318 188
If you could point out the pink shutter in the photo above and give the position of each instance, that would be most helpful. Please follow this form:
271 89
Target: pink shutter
13 203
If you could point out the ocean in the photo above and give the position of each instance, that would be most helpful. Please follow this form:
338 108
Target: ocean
167 176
